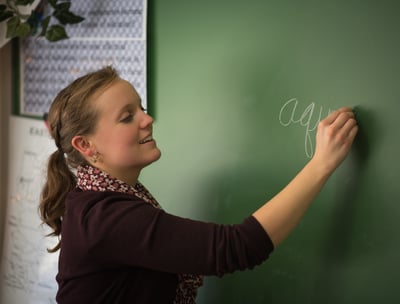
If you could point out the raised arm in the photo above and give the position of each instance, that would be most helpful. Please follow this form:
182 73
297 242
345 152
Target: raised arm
335 135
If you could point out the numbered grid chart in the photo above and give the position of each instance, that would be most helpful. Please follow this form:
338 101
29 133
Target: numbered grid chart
113 33
118 19
49 67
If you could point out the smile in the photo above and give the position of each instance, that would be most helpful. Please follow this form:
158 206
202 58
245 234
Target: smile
147 139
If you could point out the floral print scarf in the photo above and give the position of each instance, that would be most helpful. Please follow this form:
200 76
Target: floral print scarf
93 179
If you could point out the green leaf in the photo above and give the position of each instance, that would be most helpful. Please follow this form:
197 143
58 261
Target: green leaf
63 6
12 25
5 15
23 30
45 24
67 17
53 3
17 29
56 33
24 2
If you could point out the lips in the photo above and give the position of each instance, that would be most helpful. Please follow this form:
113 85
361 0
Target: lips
146 139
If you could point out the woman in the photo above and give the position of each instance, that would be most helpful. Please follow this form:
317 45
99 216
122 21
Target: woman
117 244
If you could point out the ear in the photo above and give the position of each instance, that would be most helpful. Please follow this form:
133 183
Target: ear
83 145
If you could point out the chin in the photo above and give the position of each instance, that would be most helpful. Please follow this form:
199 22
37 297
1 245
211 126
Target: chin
156 156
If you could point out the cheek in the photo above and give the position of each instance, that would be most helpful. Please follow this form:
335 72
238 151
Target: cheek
130 141
117 141
110 144
125 142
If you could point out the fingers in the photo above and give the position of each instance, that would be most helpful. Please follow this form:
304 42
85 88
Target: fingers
342 125
350 129
334 115
343 119
335 136
339 119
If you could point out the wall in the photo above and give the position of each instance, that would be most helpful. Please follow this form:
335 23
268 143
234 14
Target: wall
5 103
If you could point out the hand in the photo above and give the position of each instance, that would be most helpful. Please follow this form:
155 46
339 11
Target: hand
335 136
280 215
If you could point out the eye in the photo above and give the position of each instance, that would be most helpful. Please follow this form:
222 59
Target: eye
127 118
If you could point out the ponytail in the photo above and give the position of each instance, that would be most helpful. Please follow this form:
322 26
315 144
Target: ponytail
71 113
60 181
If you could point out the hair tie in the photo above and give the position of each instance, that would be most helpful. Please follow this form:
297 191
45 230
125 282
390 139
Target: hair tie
59 149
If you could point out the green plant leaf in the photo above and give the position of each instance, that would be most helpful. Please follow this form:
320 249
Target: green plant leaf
23 30
67 17
17 29
45 24
63 6
53 3
12 25
56 33
4 15
24 2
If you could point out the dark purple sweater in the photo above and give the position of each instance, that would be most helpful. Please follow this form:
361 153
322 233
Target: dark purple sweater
116 248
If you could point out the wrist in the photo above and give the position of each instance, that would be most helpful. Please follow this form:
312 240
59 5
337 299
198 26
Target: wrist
319 169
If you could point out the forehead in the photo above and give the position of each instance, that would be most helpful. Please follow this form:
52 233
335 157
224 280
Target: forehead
116 95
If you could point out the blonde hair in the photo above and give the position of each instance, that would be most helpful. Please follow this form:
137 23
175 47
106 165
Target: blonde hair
71 113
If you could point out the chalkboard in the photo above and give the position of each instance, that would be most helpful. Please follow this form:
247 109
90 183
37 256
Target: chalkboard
237 88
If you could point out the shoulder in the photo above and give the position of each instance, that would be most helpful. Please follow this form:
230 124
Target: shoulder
95 196
88 203
95 213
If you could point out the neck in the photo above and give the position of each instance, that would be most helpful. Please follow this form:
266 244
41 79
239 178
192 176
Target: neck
130 176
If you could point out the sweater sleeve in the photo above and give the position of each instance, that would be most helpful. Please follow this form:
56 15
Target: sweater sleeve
124 232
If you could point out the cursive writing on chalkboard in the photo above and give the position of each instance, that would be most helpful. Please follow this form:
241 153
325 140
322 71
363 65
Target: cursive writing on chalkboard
309 118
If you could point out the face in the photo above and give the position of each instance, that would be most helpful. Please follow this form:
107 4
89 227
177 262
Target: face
124 134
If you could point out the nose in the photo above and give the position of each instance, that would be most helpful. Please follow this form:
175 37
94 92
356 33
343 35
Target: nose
146 120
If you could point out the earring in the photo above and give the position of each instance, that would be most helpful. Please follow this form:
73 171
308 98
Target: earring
95 157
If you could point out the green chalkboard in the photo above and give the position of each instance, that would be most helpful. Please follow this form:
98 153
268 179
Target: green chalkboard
237 88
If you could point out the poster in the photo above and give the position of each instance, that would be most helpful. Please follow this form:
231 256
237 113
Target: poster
113 33
28 272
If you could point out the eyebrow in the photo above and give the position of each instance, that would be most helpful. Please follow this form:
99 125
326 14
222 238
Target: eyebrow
128 107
